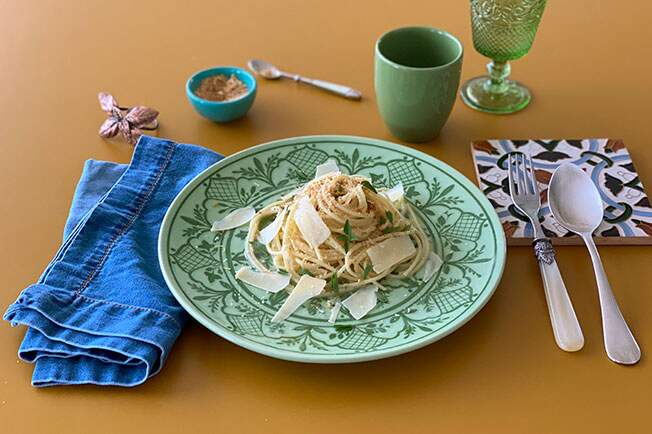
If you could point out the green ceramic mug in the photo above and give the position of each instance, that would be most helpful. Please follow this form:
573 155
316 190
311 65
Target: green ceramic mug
416 79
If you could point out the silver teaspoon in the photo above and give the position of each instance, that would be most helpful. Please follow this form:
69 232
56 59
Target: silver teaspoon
271 72
575 203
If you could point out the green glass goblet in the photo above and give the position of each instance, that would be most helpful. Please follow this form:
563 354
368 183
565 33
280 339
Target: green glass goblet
503 30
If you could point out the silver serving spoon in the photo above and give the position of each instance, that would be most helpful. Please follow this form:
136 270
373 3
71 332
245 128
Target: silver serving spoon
575 203
271 72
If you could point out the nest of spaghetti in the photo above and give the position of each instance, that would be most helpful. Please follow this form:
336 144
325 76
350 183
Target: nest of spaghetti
327 228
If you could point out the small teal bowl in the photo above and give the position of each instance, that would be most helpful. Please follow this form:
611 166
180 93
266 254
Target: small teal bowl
222 111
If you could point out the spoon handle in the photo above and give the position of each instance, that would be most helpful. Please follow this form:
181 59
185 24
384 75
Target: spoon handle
338 89
618 339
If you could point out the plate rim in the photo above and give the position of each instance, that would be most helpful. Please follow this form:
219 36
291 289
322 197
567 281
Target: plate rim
182 299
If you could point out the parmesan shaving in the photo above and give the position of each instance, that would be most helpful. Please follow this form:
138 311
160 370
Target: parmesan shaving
334 312
362 301
268 281
432 265
395 193
390 252
268 233
312 227
329 166
307 288
237 218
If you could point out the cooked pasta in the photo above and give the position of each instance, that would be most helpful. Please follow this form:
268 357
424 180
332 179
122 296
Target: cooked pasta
357 217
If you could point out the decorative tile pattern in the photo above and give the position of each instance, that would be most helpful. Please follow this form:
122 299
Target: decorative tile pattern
628 215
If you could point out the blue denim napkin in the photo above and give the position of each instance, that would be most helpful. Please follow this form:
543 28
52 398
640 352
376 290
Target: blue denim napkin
101 313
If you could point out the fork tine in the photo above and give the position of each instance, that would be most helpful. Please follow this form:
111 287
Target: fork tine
522 181
520 174
510 174
526 176
533 177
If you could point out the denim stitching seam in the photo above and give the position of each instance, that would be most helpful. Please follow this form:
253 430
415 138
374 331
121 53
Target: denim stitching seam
143 201
145 309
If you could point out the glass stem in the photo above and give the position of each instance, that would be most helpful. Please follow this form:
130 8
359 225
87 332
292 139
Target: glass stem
498 73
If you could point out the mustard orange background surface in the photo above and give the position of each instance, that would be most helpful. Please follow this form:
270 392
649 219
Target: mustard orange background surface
501 373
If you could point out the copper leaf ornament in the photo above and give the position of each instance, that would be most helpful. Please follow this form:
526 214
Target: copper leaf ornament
127 122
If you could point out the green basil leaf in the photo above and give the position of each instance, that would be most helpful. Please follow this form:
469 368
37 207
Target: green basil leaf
368 186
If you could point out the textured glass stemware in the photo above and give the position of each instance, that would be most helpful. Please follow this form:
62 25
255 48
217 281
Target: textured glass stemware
503 30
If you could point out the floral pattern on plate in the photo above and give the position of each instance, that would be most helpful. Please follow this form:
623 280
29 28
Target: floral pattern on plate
199 266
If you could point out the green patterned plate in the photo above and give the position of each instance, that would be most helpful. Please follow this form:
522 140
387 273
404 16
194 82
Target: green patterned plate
199 267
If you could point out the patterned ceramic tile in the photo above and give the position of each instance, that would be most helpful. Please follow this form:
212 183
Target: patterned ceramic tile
628 215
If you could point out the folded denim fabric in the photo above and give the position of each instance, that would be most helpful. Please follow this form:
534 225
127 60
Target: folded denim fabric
101 313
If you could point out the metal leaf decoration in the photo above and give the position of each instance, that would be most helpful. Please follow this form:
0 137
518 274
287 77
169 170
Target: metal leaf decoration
127 122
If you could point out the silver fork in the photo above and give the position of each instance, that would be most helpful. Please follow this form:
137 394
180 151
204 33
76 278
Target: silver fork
525 195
